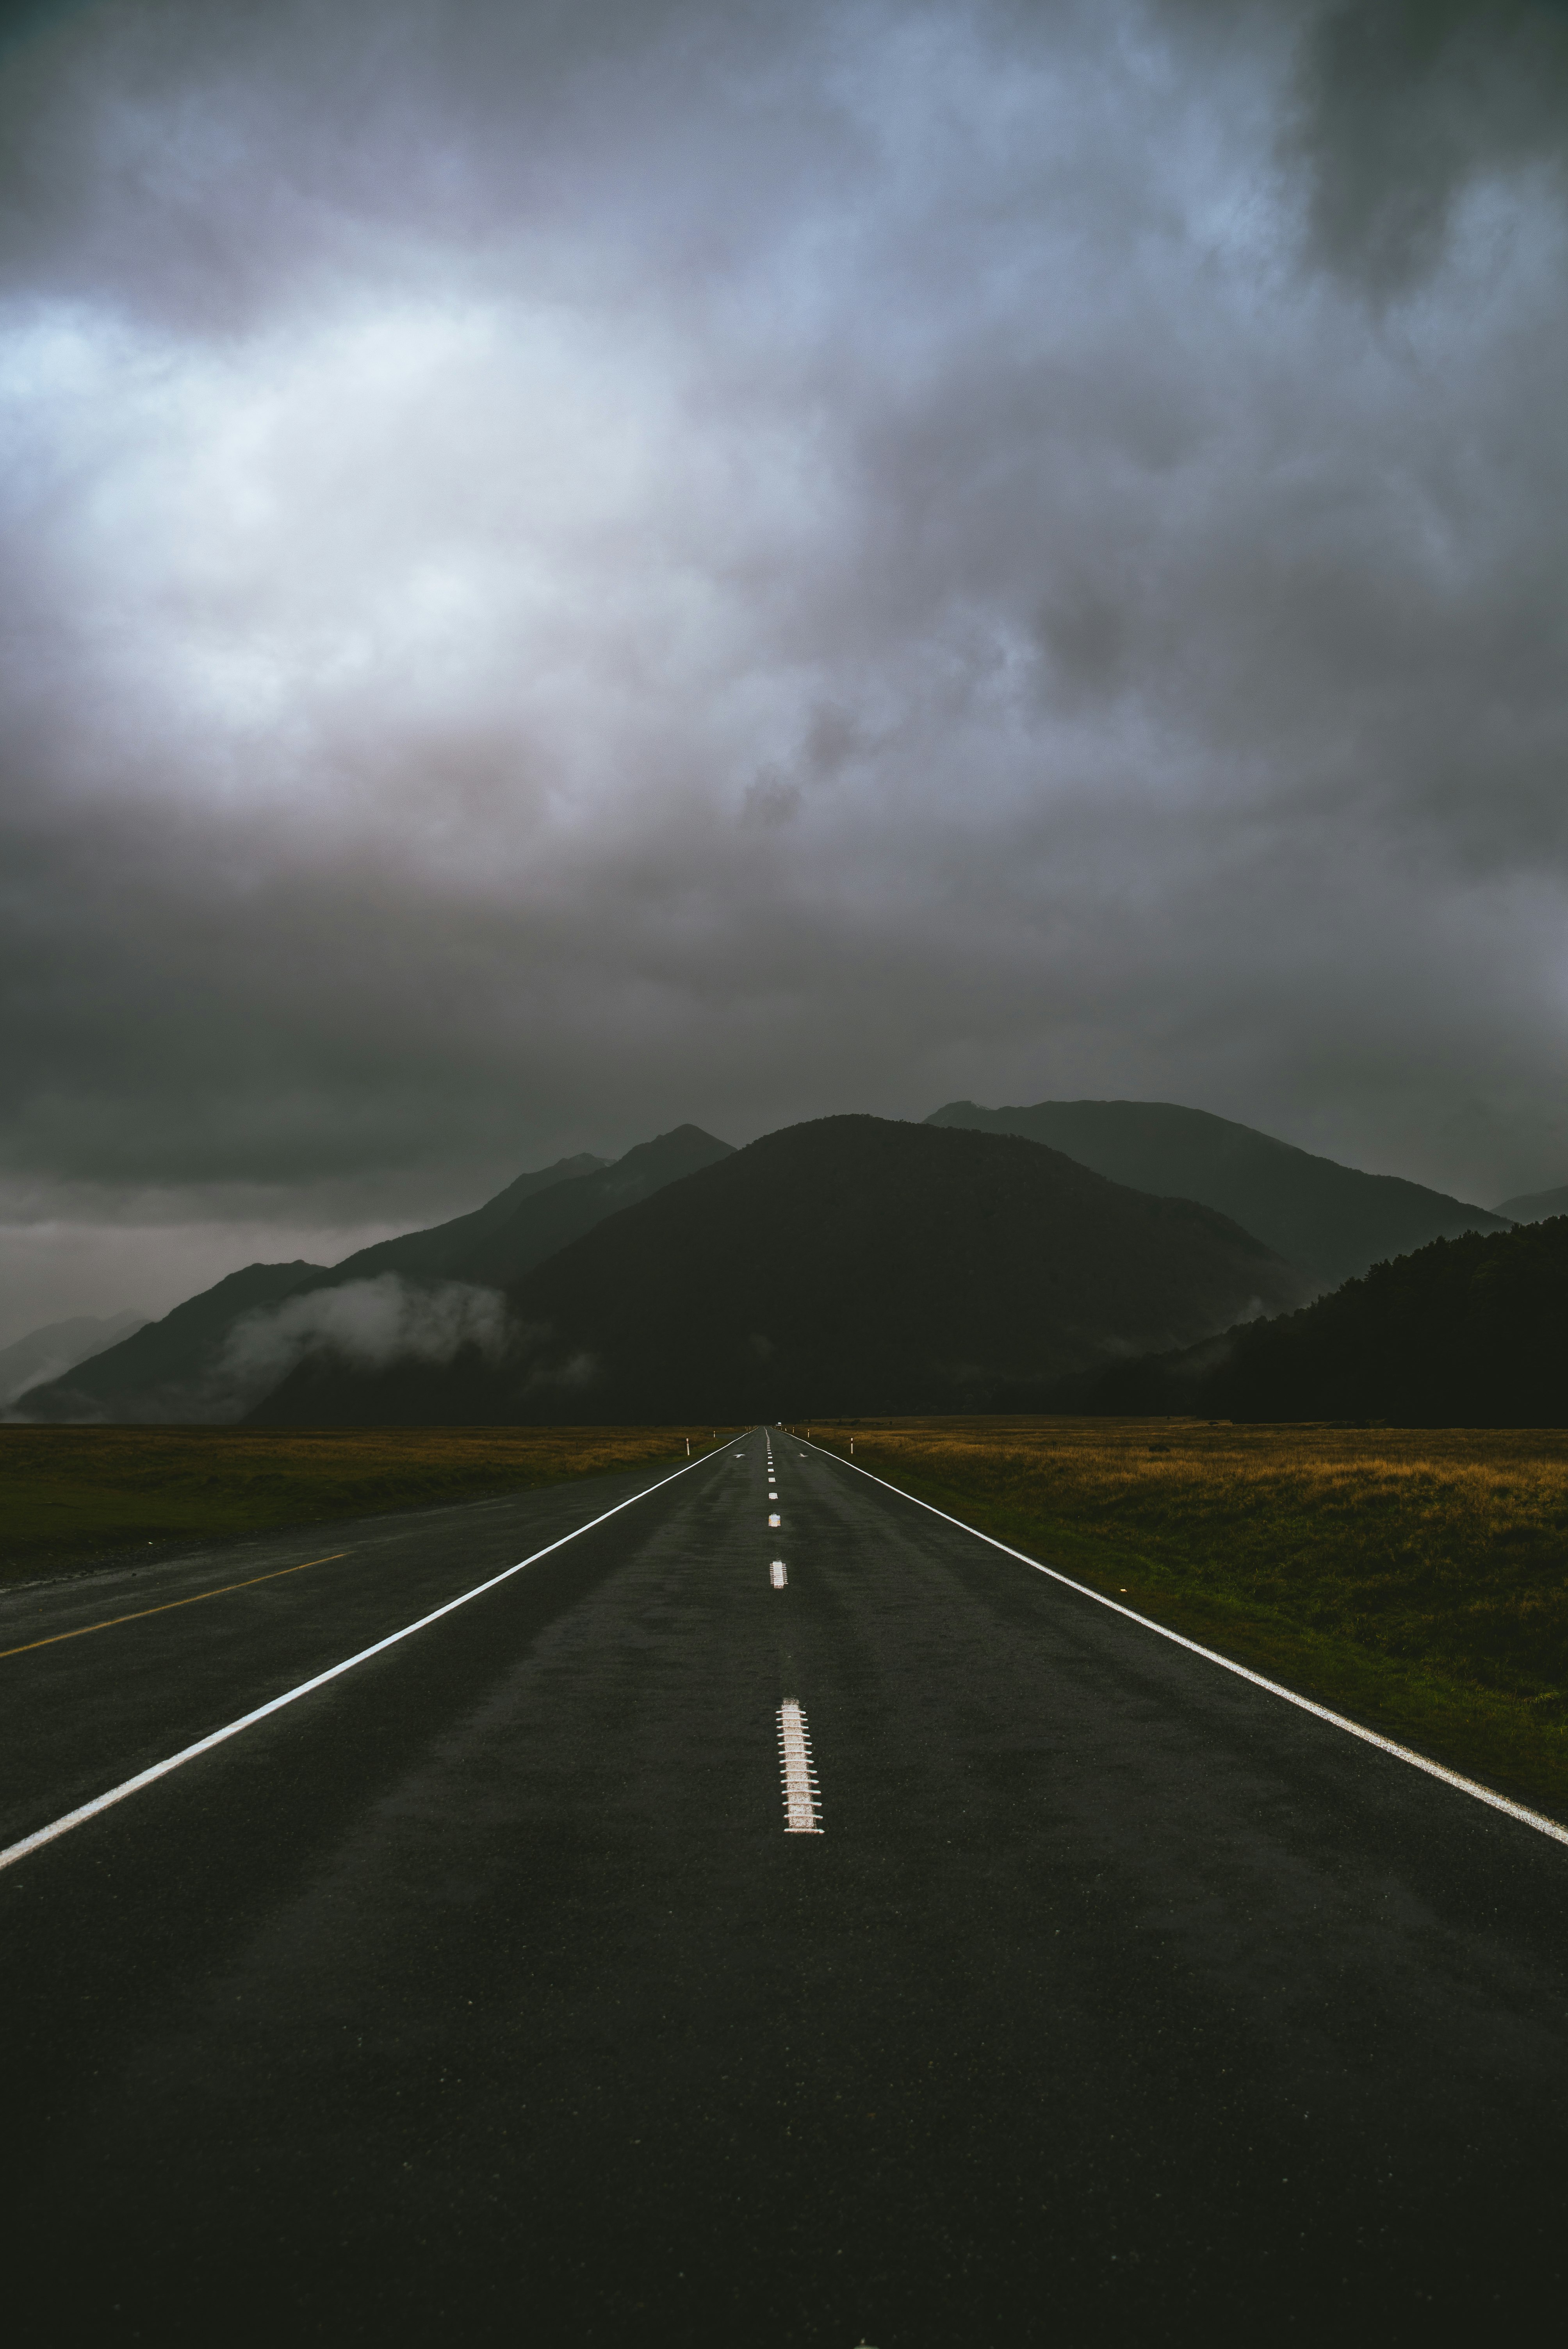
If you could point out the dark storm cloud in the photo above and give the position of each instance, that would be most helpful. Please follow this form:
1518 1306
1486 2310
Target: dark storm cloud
571 569
1405 104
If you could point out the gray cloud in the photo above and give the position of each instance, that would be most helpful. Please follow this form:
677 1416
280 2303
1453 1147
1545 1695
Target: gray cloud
567 570
1405 105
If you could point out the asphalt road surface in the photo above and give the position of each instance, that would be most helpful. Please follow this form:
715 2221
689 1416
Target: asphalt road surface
486 1992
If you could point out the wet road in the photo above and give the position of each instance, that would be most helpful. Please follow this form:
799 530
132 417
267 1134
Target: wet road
498 1990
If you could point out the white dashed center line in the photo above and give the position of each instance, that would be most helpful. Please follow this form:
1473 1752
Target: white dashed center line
803 1805
778 1574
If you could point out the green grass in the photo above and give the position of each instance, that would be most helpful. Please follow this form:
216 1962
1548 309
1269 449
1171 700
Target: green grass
1413 1579
1416 1579
76 1496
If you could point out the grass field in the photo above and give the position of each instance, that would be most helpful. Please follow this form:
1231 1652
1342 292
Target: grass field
1416 1579
73 1497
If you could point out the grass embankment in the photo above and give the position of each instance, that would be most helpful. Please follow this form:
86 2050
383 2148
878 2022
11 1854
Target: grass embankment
1413 1579
72 1496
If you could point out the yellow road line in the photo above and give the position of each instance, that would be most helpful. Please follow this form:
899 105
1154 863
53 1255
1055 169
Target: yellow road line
55 1637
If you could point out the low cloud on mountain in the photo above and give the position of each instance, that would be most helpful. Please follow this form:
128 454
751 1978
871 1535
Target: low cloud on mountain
365 1325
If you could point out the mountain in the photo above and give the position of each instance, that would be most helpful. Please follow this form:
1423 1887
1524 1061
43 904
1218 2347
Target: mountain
564 1213
437 1254
164 1371
1464 1333
198 1364
47 1354
847 1265
1331 1220
1535 1206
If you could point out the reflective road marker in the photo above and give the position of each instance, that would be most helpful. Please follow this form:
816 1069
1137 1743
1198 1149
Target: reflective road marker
802 1806
775 1520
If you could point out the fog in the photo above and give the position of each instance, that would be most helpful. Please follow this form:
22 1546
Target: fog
368 1324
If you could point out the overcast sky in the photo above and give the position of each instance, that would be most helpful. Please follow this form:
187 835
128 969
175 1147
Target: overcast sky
570 567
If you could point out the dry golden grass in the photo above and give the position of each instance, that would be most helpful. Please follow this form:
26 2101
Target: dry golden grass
72 1495
1416 1577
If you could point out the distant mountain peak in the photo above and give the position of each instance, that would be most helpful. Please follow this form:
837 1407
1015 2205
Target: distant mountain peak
846 1263
1536 1206
183 1367
543 1226
1332 1220
678 1141
47 1354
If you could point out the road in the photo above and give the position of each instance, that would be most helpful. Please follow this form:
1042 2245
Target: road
485 1993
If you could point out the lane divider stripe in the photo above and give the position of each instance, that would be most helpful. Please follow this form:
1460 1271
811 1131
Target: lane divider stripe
778 1574
1477 1792
803 1805
14 1852
110 1621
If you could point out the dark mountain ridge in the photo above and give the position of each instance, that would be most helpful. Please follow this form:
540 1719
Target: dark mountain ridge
437 1254
849 1264
1466 1332
183 1368
569 1209
58 1347
1535 1206
161 1371
1332 1220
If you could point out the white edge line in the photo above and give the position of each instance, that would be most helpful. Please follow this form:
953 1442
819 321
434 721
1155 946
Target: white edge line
1527 1817
63 1825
